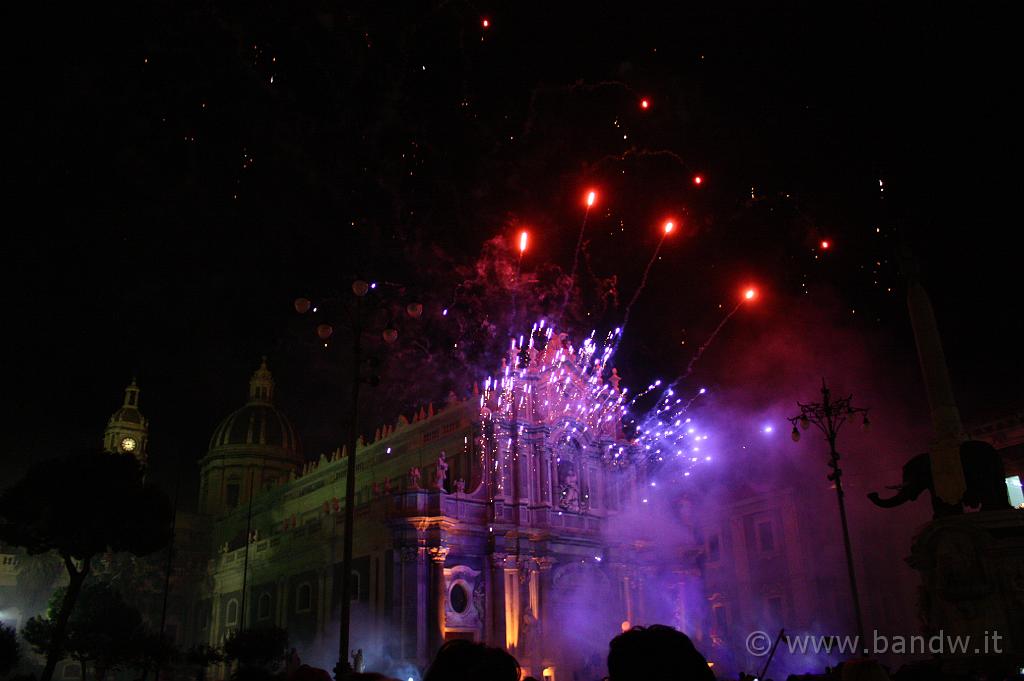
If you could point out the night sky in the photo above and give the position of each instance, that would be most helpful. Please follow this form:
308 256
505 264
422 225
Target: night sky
182 171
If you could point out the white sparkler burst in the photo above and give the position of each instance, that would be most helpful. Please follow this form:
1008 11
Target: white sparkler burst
545 379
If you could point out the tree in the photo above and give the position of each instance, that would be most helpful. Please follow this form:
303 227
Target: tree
82 506
38 576
140 580
104 630
10 649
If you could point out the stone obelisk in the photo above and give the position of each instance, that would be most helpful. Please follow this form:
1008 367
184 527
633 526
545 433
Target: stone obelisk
948 433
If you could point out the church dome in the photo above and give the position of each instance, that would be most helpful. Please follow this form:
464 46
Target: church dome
259 426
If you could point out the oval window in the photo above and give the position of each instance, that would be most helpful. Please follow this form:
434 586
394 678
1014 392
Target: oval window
459 598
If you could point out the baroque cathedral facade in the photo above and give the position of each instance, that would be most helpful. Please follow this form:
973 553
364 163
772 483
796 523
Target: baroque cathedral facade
495 517
470 523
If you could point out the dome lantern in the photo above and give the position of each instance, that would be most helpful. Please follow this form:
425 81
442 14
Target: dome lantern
261 385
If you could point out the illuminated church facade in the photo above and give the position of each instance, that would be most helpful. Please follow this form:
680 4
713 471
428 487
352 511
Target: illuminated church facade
481 519
496 517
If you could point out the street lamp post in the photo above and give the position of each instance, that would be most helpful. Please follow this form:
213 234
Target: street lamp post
389 334
829 416
344 667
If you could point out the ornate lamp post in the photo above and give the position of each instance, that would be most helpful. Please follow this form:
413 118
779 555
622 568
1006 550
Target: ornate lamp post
358 307
829 416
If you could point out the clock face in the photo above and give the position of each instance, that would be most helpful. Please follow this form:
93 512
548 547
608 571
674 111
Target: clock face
128 444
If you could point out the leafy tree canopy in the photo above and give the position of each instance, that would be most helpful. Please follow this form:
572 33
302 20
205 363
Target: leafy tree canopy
83 505
104 630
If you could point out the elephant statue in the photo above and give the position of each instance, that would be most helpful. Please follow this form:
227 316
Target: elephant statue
983 473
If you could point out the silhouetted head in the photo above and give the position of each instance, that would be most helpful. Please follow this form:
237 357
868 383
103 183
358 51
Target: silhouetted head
461 660
656 653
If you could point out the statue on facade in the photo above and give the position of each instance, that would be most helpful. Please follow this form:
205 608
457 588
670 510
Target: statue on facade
556 343
357 661
478 599
528 634
414 477
460 486
570 491
442 471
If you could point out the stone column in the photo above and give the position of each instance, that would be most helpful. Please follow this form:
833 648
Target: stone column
544 617
421 587
214 622
506 464
641 596
545 476
534 588
496 600
490 589
532 640
524 480
681 609
376 601
435 604
627 592
512 587
405 601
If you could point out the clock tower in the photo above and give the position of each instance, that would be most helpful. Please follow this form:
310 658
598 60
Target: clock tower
128 430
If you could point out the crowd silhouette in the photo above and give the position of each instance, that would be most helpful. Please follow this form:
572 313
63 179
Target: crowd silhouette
654 653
